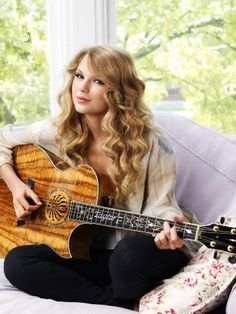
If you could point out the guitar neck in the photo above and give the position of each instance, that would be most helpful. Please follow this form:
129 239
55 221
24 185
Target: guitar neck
120 219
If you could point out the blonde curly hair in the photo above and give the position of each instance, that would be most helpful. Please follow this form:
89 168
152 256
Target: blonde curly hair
127 121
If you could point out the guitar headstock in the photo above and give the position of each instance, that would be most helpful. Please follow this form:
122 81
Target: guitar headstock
219 237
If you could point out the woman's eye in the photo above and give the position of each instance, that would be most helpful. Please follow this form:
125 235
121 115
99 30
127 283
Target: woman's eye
78 75
97 81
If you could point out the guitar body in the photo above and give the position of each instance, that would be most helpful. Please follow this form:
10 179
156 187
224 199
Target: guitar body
56 188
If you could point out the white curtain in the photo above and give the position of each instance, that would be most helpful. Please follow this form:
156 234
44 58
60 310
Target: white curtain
72 25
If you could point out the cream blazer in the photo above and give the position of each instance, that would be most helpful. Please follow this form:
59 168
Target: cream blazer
155 195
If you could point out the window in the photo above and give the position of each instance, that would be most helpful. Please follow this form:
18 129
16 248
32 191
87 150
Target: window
32 29
24 68
185 51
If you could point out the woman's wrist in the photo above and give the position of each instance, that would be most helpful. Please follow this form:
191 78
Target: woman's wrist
9 176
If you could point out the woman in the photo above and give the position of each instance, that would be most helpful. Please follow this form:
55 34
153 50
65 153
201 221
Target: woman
103 123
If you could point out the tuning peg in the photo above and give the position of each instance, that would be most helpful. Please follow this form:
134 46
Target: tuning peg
230 248
216 255
222 220
212 244
232 259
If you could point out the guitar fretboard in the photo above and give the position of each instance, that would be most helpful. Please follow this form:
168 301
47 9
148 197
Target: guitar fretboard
120 219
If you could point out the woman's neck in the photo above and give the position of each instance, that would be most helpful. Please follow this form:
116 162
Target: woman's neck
94 124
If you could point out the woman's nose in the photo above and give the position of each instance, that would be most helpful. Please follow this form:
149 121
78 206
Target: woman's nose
84 86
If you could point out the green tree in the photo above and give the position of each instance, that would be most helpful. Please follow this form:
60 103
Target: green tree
188 43
24 78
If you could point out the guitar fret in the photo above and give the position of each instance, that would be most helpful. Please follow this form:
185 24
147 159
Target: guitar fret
87 212
141 224
119 221
90 215
151 225
126 221
102 216
98 216
110 217
189 231
77 212
72 212
135 222
82 213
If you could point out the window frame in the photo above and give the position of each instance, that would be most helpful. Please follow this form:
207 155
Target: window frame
72 25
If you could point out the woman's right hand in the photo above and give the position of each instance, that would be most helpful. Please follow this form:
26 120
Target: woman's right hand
24 200
23 196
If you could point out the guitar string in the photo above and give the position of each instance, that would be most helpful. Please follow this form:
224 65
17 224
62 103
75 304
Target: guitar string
178 226
122 215
193 227
158 223
144 228
160 228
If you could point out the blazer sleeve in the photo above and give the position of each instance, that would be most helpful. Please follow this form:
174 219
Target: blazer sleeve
11 136
160 183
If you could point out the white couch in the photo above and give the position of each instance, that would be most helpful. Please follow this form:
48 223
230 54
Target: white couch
206 185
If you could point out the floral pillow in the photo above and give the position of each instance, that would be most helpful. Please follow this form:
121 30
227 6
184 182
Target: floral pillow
198 288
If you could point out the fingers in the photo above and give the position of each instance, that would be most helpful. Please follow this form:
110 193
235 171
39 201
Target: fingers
162 238
34 197
168 238
175 240
21 212
178 218
18 209
23 206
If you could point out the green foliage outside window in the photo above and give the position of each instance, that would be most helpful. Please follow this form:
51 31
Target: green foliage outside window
186 43
24 81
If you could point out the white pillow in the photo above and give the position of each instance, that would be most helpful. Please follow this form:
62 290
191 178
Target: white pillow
199 287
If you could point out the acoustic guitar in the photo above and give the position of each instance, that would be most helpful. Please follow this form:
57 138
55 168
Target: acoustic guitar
71 214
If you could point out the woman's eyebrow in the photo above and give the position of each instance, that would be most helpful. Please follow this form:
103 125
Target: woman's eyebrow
78 70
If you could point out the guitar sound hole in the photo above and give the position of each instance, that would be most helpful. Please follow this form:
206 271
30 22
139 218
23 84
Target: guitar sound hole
56 209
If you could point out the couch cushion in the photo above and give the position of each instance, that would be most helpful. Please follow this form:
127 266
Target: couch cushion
206 167
13 300
198 288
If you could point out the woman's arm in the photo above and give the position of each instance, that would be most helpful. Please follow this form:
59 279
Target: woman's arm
11 136
41 133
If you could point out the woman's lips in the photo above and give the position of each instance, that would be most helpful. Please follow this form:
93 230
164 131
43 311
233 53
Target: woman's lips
82 100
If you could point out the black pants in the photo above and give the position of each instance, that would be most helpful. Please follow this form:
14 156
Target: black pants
119 277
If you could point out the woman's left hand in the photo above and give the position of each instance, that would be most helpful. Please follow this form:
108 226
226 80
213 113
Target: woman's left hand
168 237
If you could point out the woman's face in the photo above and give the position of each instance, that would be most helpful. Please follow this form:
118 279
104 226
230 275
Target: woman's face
88 91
